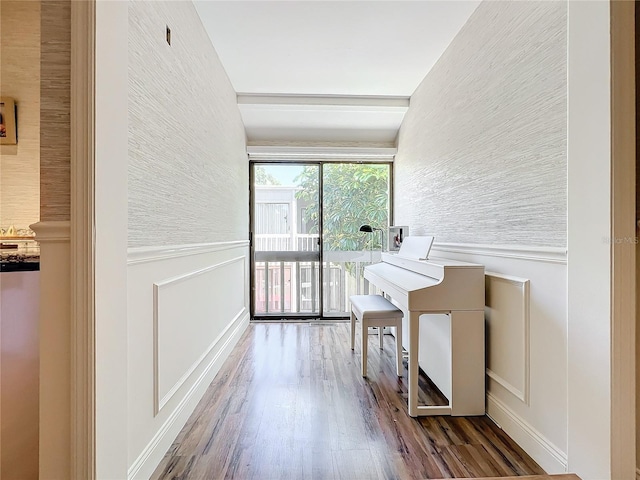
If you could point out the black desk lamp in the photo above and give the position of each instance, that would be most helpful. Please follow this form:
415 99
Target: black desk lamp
370 229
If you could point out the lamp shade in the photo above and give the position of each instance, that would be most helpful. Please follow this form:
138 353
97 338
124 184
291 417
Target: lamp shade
366 228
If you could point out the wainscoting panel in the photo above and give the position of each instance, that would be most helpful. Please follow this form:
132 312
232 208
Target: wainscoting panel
507 317
191 312
187 307
526 315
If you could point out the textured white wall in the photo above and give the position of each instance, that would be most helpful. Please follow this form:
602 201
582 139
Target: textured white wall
482 150
482 159
188 170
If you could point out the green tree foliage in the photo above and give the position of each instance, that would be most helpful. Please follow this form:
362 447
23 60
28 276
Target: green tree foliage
262 177
354 194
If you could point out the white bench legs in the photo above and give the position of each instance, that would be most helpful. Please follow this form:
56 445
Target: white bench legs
376 311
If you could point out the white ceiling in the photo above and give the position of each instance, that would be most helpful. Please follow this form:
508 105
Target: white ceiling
312 62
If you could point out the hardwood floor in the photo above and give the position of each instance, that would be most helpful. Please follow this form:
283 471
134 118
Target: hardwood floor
290 403
563 476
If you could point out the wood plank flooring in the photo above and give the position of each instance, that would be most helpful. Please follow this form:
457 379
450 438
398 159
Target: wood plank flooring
290 403
562 476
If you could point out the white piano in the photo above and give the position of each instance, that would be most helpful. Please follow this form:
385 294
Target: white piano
441 286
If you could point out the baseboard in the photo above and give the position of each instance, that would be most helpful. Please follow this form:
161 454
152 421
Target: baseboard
548 456
146 463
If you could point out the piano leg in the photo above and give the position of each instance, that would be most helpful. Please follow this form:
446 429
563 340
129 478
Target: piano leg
353 330
398 334
412 390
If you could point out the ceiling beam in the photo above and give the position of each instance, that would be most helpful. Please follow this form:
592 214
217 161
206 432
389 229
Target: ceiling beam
295 153
324 101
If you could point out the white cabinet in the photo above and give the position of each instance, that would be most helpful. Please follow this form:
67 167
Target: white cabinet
19 359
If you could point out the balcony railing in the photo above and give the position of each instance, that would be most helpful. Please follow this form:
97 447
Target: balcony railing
284 242
284 285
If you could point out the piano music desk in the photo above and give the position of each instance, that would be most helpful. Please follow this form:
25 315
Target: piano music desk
441 286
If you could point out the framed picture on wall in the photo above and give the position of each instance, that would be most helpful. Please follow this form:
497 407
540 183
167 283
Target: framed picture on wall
396 236
8 131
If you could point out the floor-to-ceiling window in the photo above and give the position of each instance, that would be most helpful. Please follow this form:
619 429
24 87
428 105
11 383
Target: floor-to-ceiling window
307 247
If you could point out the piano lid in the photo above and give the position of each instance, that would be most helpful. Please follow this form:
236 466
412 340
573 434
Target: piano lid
437 284
433 267
403 279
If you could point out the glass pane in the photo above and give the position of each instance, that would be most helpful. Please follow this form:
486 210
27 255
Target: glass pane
286 207
353 195
285 217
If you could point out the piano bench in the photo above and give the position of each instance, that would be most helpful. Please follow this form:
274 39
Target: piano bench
375 311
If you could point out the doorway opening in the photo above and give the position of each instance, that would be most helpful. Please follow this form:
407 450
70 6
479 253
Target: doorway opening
307 251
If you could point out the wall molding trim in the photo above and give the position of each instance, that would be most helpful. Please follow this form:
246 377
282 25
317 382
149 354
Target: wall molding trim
152 254
522 252
524 286
623 254
159 403
52 231
57 338
544 452
149 458
83 331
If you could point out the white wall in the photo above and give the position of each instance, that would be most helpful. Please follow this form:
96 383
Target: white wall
188 218
111 239
481 165
589 226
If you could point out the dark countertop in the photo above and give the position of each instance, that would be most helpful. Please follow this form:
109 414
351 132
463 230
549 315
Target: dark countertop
19 262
